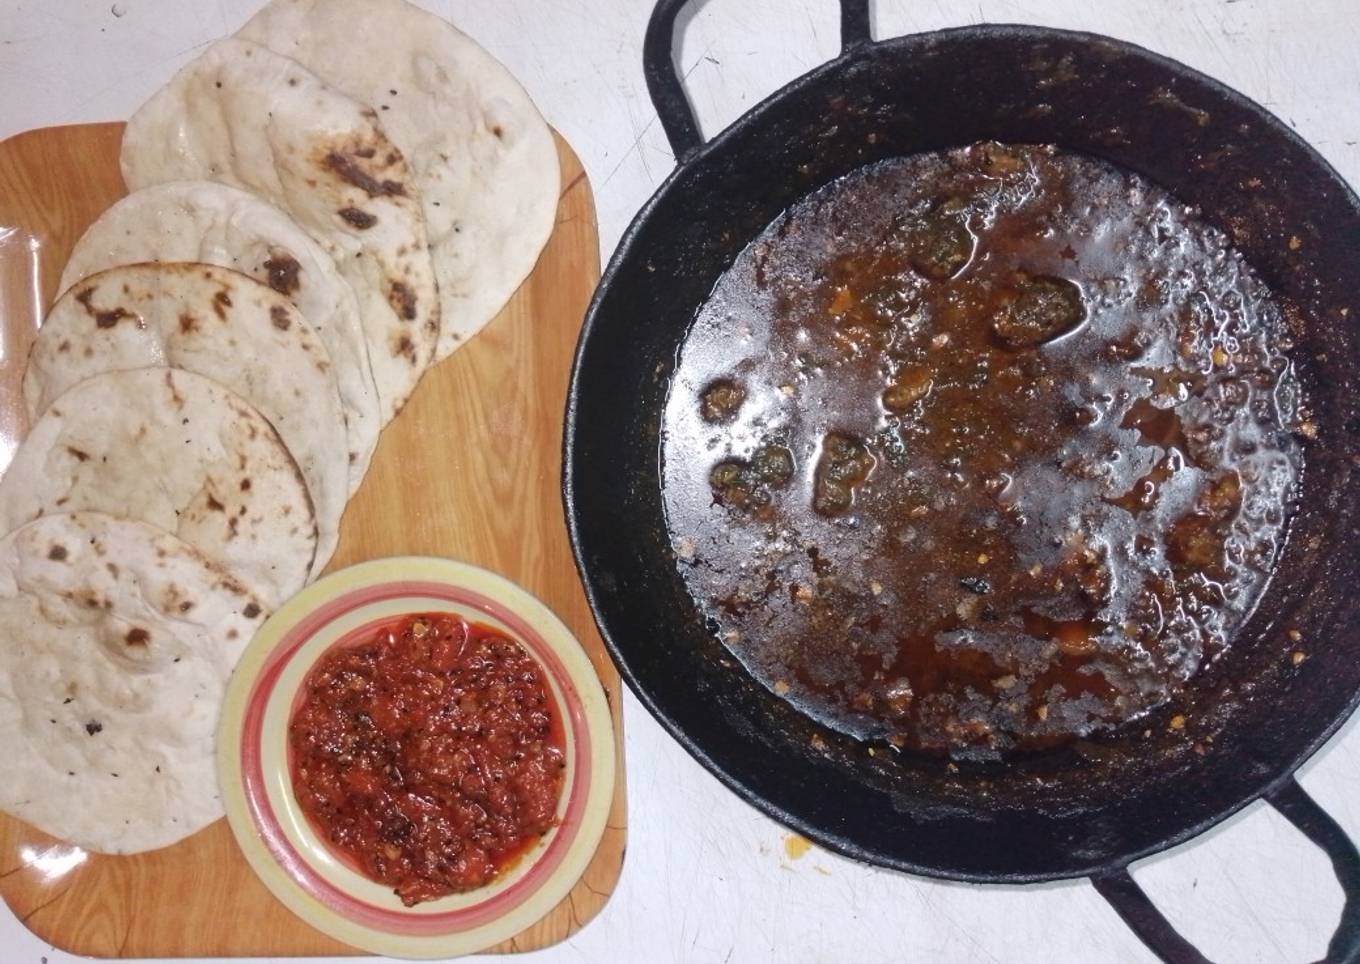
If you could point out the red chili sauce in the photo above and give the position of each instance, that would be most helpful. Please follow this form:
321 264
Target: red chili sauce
429 755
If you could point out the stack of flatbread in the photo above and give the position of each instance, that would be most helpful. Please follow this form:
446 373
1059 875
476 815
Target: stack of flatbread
321 208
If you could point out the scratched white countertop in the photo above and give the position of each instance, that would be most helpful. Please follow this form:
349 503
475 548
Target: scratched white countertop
706 877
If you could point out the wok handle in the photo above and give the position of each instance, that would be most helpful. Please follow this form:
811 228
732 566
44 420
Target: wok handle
1154 930
667 86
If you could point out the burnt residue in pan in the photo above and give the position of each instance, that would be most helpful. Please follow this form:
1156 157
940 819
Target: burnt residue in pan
982 451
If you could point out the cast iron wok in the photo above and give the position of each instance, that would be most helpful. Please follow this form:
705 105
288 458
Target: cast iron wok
1085 810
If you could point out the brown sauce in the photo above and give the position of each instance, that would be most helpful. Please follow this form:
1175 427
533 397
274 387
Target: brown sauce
982 451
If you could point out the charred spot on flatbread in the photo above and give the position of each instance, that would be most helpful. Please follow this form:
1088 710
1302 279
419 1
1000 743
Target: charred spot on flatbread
102 319
283 272
358 219
344 166
107 319
402 300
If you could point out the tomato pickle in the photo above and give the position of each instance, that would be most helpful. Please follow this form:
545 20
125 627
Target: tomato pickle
430 755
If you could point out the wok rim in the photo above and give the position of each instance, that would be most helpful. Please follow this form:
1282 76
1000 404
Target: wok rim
621 260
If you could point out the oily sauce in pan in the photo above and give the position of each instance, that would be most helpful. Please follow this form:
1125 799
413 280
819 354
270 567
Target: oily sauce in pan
430 756
983 450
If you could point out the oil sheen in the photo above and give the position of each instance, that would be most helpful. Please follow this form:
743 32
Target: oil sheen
982 451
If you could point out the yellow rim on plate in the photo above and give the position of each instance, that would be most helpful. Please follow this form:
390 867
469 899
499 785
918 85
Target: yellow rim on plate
280 844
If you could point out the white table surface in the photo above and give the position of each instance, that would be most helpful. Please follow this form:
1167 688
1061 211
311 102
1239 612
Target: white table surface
706 877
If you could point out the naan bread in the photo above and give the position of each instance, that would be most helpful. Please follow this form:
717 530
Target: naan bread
245 116
180 452
483 157
214 322
116 643
217 224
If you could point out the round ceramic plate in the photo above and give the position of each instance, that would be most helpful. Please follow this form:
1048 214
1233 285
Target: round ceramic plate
280 843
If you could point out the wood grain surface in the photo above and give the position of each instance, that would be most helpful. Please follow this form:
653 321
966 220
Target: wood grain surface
470 470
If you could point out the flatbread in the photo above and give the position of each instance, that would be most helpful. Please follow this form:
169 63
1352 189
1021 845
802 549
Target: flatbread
214 322
242 115
178 451
116 643
216 224
483 157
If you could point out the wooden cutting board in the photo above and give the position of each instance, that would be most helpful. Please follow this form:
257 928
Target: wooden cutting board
470 470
